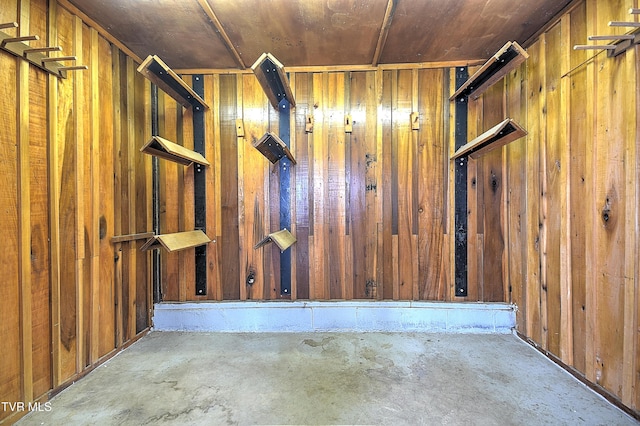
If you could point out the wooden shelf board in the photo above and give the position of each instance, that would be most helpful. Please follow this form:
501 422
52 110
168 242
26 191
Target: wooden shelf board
171 151
273 79
283 239
177 241
499 135
165 78
131 237
272 147
506 59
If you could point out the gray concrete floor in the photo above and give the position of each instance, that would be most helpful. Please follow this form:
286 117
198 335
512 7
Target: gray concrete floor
328 378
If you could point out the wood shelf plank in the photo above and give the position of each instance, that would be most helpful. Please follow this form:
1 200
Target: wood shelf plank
131 237
272 147
165 78
506 59
177 241
273 79
499 135
171 151
283 239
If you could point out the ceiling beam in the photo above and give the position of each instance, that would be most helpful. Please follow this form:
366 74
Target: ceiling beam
339 68
384 31
223 34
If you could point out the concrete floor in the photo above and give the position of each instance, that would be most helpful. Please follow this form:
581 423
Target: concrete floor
328 378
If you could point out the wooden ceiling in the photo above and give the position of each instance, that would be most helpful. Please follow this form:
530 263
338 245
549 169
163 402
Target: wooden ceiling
232 34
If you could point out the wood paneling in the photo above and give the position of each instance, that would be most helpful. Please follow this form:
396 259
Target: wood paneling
553 220
553 187
370 204
491 204
139 129
39 221
574 266
66 147
105 118
433 240
253 169
228 239
301 188
10 362
579 130
62 144
516 198
362 187
41 316
609 203
535 107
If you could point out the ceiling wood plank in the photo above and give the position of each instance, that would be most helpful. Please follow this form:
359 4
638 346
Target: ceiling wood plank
553 21
223 34
191 35
101 30
384 31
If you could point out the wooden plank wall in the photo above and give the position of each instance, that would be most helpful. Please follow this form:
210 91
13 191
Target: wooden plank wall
369 207
73 177
554 220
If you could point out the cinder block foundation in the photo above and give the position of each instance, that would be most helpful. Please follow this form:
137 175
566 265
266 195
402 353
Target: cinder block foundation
301 316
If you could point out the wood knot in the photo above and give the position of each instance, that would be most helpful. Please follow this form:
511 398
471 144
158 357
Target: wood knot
606 214
494 181
103 227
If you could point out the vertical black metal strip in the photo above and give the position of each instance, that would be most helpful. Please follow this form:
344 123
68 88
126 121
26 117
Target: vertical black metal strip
462 75
155 199
200 190
285 197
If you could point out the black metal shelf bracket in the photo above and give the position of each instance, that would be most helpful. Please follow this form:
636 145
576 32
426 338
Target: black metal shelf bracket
284 165
200 188
460 166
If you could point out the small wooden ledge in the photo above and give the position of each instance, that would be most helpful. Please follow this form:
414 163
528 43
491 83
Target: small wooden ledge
271 76
499 135
272 147
177 241
168 150
506 59
283 240
165 78
131 237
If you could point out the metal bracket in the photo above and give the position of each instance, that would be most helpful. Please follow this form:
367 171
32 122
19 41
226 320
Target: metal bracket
284 109
461 234
200 189
155 194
